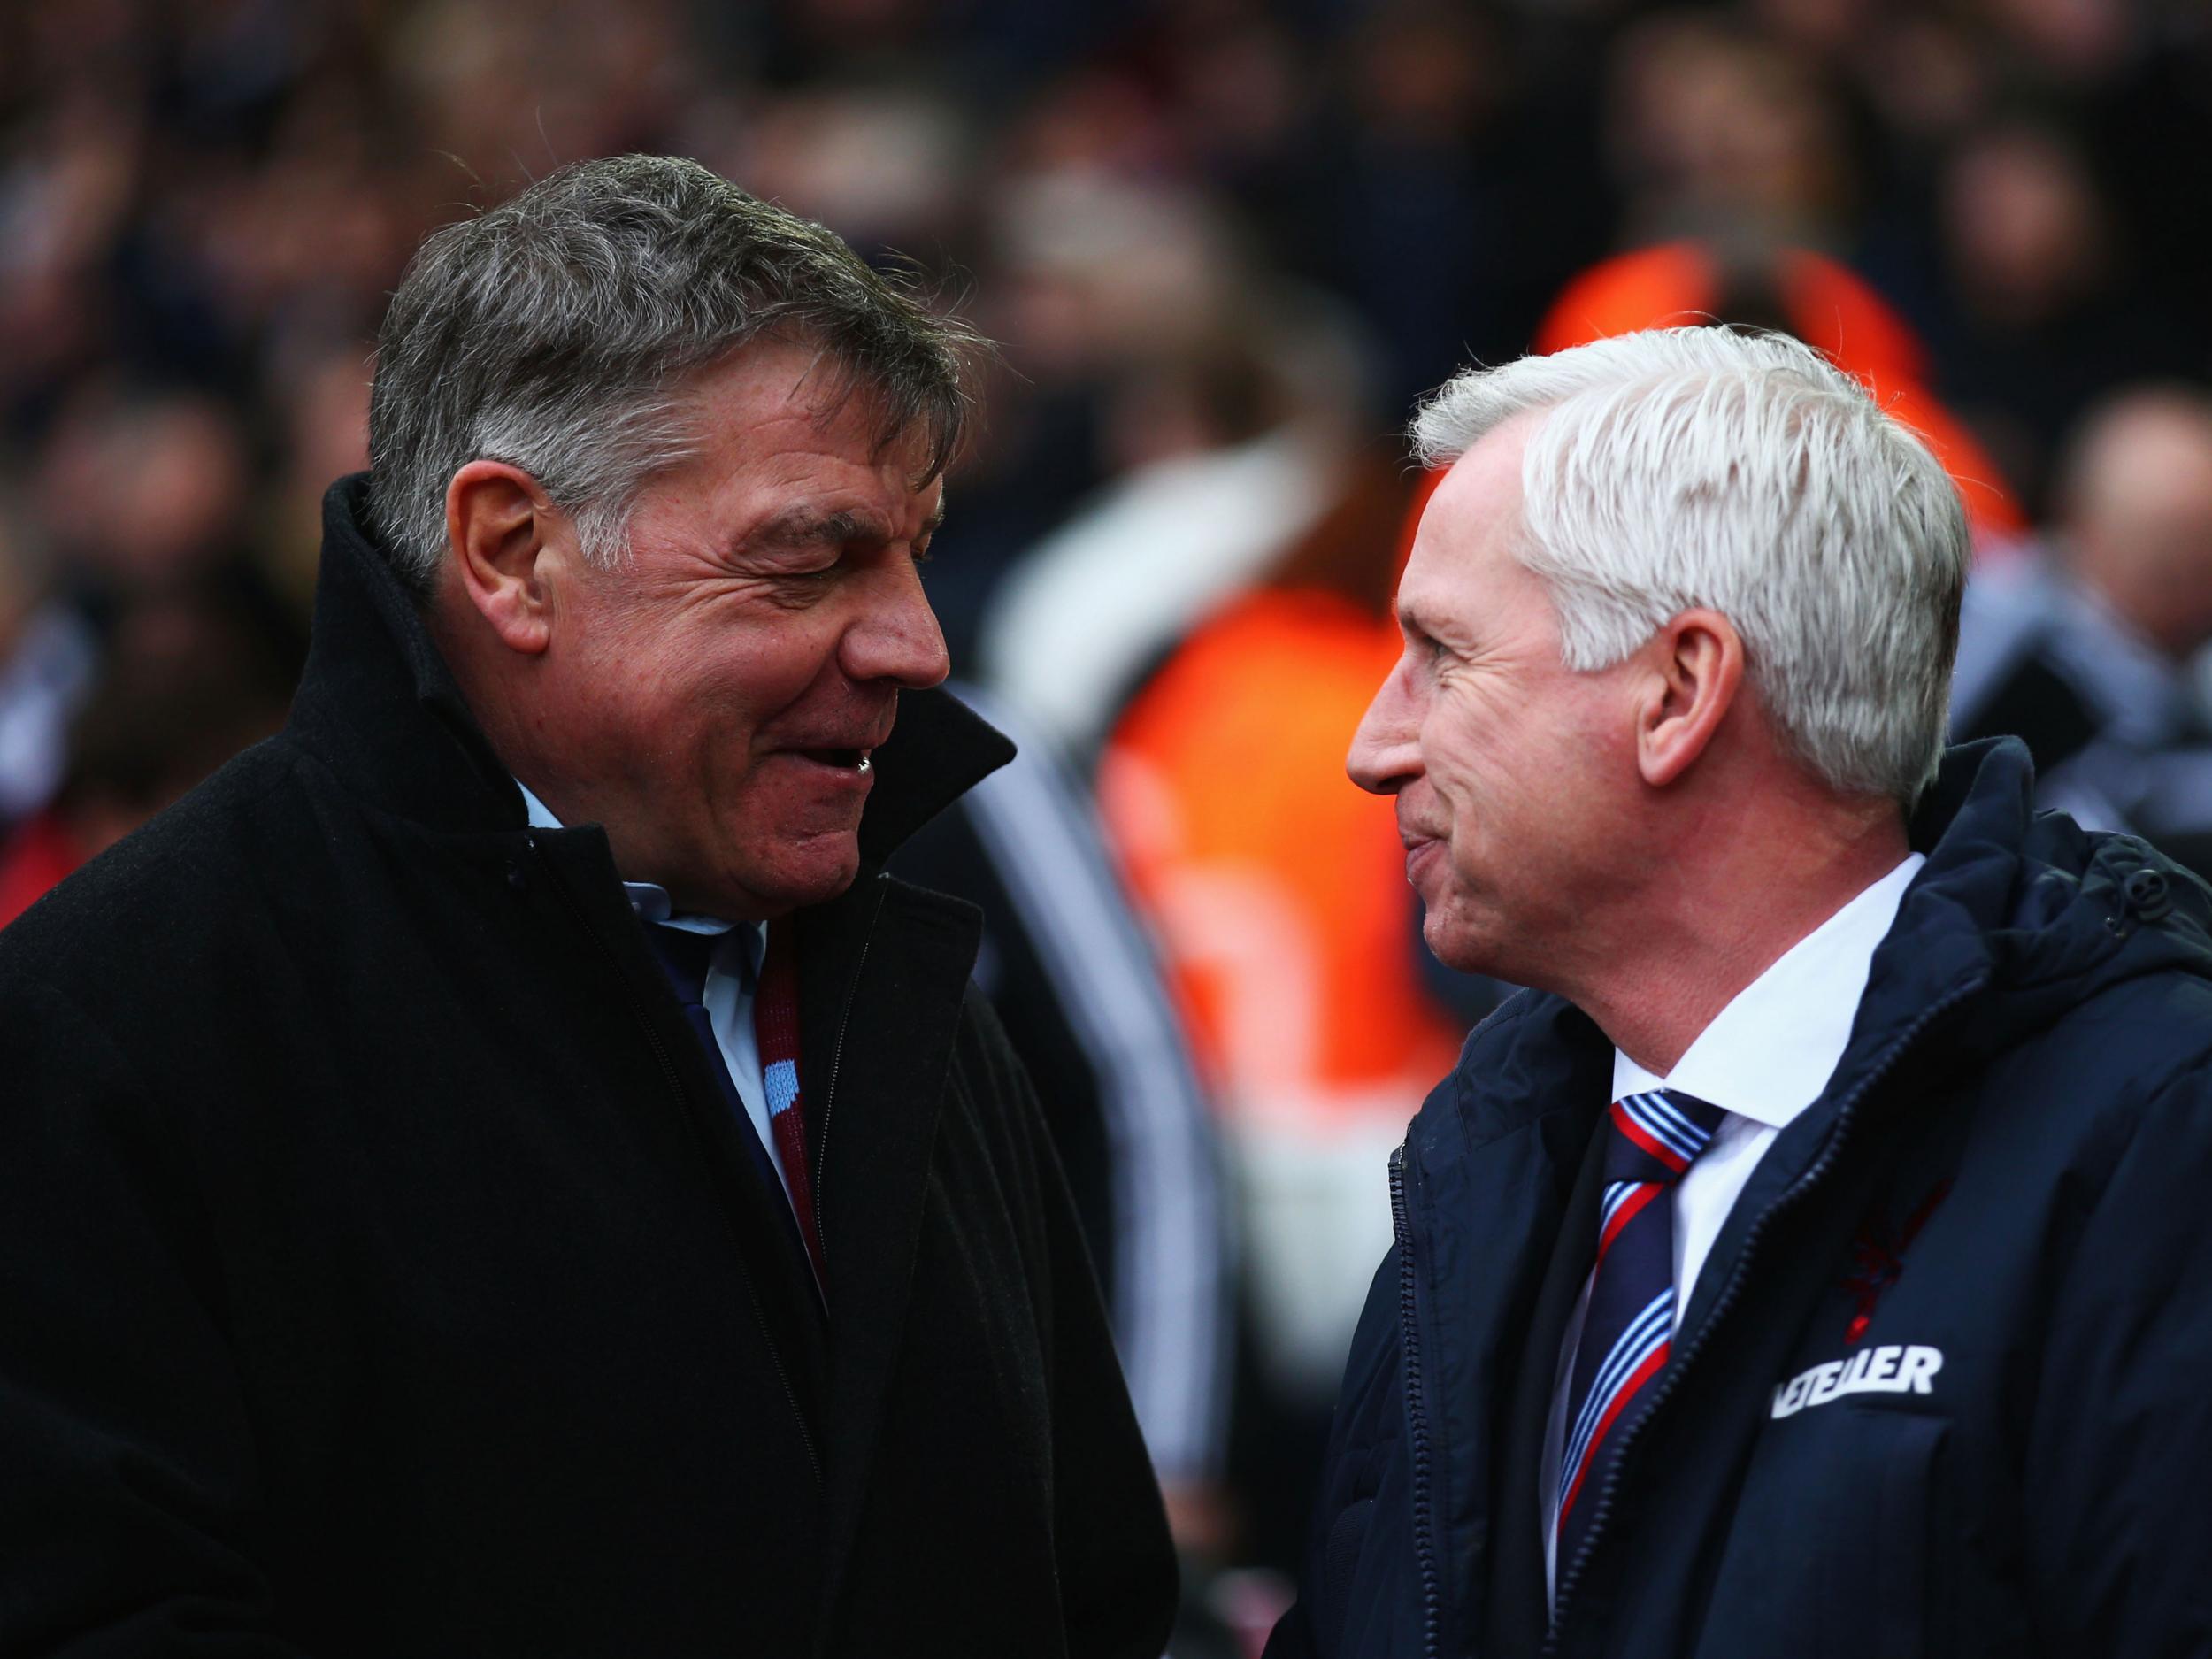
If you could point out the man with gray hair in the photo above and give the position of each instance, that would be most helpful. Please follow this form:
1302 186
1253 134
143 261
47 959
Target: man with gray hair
500 1170
1812 1260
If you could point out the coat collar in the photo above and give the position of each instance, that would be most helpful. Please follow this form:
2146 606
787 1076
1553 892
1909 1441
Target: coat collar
379 706
2029 907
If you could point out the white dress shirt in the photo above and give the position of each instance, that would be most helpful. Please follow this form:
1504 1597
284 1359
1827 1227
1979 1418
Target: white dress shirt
728 997
1763 1059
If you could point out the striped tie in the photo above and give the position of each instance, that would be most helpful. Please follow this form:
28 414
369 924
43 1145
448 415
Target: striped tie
686 957
776 1024
1650 1140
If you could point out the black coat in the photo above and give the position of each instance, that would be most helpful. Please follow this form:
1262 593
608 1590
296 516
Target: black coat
2008 1172
1072 976
381 1274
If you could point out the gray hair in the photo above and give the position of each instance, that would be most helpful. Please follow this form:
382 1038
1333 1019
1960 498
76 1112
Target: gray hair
1687 467
556 332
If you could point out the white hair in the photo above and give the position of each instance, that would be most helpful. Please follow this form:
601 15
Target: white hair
1688 467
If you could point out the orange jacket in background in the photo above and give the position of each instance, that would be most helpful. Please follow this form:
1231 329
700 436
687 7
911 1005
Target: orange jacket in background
1829 309
1278 889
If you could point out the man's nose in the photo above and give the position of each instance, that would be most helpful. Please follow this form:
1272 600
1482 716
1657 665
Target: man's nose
1385 754
897 636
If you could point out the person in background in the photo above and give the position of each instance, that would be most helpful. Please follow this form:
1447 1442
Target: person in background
1815 1247
2086 651
2043 312
50 657
1752 282
180 694
500 1169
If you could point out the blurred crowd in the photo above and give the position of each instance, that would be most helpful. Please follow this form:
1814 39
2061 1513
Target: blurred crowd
1222 245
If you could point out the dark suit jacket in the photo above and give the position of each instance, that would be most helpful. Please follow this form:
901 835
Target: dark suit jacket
380 1272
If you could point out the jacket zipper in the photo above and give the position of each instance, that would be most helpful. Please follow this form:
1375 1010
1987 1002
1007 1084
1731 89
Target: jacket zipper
676 1088
1417 1418
837 1061
1670 1379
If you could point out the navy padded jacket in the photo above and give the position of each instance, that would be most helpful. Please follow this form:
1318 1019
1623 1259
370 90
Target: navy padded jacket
2010 1176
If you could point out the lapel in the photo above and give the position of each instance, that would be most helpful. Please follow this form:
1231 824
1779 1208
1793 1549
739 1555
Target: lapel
1520 1606
883 973
777 1271
1492 1163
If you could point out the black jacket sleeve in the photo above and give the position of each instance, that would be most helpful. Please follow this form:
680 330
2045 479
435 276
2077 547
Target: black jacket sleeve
2119 1531
1075 982
1351 1517
1116 1564
127 1497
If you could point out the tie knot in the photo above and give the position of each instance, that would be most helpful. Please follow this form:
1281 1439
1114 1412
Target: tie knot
1657 1135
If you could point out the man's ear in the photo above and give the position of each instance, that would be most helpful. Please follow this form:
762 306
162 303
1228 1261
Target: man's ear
507 544
1696 670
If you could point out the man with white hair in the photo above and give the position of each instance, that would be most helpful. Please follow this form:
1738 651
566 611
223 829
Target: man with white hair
1810 1261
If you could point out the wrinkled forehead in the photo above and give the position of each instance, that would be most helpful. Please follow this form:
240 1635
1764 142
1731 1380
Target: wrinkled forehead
912 434
1484 483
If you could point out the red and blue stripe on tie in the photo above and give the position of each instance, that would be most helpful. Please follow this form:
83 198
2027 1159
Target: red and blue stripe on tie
1651 1140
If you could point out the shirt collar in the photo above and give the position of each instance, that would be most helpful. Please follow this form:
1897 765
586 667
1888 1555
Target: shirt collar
1770 1052
650 899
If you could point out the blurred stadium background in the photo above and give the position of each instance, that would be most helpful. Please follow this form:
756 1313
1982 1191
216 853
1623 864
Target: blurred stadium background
1224 244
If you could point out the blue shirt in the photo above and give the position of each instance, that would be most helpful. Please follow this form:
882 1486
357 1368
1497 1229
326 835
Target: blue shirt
732 973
